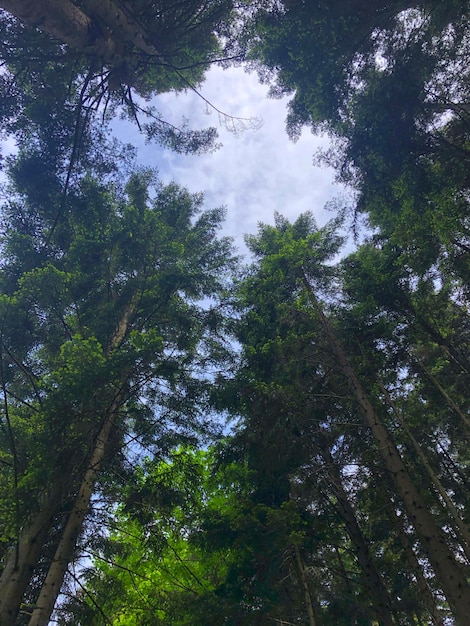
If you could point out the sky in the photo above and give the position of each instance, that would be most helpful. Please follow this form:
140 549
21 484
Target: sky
254 173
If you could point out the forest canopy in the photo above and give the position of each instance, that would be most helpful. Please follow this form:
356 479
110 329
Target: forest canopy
187 439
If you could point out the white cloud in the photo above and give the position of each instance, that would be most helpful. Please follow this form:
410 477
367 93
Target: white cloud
253 174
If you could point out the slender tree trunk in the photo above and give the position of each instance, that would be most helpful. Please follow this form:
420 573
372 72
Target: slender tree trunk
66 549
22 560
460 527
378 593
449 401
349 589
452 468
446 346
304 581
425 592
449 571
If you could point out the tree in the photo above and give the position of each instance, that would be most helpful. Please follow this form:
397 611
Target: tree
98 57
290 401
304 514
191 546
424 338
104 342
293 336
389 83
157 563
136 42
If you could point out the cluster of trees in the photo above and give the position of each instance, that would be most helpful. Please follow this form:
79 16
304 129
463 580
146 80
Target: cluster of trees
129 331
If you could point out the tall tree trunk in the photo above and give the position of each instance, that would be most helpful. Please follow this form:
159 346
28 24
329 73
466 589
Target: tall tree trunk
66 549
352 609
304 581
379 596
22 560
449 571
425 592
460 528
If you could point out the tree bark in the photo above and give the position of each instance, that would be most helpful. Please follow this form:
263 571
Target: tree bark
303 578
66 549
460 528
60 18
378 593
65 22
121 26
425 593
22 560
448 570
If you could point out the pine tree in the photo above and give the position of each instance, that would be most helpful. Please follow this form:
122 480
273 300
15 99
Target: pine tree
103 342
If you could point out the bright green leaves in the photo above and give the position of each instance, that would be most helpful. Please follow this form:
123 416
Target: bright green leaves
155 563
191 546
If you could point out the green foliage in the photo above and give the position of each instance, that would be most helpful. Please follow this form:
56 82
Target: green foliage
154 567
101 311
301 431
190 546
112 302
390 85
45 82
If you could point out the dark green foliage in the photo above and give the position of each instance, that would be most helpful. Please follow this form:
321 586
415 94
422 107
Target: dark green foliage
100 306
297 516
296 508
191 545
389 82
302 432
44 79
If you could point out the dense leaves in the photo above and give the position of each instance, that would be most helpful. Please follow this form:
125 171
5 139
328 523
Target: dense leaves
101 323
96 59
128 333
390 83
314 526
